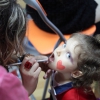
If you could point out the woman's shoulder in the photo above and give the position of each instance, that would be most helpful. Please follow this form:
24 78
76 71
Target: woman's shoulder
7 79
11 87
2 71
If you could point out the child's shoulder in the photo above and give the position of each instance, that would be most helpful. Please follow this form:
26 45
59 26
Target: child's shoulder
79 94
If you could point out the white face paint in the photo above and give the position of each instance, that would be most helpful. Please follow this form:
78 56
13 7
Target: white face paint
97 17
64 58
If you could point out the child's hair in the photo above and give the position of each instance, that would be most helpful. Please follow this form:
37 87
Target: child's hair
89 60
12 30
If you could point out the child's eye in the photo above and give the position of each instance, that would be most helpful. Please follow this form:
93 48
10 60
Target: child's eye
68 55
64 45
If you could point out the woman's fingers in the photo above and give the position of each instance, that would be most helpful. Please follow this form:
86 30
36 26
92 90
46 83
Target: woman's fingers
30 71
37 72
34 67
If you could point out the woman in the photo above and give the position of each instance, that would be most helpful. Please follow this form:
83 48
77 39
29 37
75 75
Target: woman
12 32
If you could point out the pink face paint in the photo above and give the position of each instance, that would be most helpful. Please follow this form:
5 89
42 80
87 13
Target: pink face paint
60 66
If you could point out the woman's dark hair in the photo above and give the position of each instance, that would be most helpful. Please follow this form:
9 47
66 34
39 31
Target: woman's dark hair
89 60
12 30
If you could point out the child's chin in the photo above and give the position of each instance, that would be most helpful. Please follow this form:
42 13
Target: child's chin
51 66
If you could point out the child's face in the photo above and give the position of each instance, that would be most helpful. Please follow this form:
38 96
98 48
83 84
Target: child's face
65 57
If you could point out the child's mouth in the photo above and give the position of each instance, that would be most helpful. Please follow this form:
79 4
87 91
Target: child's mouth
51 58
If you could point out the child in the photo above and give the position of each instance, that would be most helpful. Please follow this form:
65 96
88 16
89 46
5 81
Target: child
76 65
69 16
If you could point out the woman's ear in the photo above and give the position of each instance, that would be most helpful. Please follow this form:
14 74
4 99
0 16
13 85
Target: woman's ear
76 74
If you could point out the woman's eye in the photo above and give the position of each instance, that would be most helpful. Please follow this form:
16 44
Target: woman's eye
64 45
68 55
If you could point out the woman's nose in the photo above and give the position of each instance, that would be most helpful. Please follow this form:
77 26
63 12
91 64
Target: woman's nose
58 53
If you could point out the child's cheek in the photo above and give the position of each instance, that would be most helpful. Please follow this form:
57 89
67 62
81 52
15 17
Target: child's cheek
60 66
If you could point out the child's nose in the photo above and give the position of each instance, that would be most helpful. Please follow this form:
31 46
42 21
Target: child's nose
58 53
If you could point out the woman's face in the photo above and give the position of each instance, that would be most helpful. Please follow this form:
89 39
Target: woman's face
65 57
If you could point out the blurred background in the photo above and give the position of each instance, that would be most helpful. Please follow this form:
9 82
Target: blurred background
40 88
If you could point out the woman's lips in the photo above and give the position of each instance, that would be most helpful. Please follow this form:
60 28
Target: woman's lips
51 58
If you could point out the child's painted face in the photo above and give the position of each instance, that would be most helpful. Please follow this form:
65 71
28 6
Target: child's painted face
64 58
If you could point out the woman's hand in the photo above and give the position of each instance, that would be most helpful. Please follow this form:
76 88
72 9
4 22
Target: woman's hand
30 75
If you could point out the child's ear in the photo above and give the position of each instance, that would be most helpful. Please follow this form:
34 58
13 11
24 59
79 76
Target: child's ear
76 74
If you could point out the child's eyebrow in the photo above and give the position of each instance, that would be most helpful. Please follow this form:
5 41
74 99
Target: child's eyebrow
78 52
74 53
